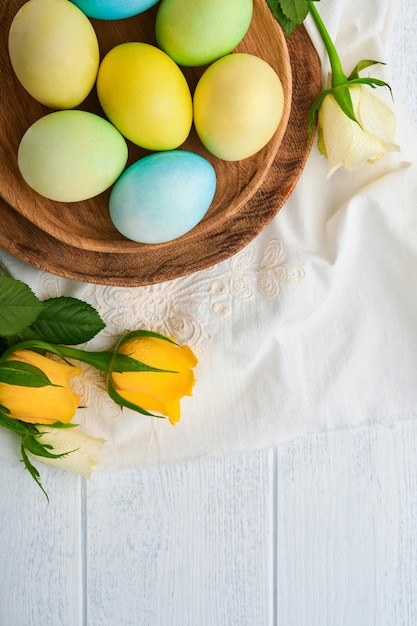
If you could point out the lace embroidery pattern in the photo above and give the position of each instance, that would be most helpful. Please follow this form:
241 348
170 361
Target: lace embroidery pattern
178 307
181 308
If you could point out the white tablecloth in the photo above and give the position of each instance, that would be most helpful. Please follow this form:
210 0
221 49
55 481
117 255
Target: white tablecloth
311 327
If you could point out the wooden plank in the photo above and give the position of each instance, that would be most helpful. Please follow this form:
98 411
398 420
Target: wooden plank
347 541
181 545
402 59
41 576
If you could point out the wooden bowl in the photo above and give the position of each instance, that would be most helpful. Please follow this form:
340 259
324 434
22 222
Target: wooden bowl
78 240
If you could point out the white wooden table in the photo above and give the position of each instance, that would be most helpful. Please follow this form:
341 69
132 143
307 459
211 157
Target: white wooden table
320 532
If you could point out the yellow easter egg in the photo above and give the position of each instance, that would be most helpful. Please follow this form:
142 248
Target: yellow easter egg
145 95
238 105
54 52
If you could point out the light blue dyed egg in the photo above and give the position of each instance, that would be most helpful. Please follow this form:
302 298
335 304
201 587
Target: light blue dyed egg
113 9
162 196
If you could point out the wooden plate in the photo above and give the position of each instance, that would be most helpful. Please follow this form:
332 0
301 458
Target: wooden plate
78 240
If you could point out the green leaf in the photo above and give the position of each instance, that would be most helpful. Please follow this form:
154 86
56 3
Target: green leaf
276 10
67 320
315 109
23 335
133 334
31 344
320 142
37 448
3 270
372 82
118 399
342 96
19 307
295 10
361 66
3 345
23 375
63 426
124 363
32 469
16 426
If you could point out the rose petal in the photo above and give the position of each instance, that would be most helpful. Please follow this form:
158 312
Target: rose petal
165 386
375 116
58 372
39 405
159 353
83 450
353 144
336 131
42 405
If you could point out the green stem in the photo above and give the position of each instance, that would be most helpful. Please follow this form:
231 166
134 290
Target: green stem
99 360
338 76
109 361
103 361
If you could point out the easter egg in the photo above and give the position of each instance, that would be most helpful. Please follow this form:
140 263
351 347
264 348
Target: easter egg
162 196
54 52
71 155
113 9
145 95
197 33
238 105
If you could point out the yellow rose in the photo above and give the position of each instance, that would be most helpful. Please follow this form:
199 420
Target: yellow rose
41 405
344 141
158 392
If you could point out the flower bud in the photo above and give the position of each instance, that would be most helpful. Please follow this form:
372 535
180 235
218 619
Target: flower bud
351 144
41 405
154 391
81 452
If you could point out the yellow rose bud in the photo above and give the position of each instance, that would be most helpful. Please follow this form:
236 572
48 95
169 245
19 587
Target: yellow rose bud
158 392
41 405
344 141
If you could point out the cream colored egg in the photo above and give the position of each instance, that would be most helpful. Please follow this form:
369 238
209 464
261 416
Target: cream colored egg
69 156
54 52
238 105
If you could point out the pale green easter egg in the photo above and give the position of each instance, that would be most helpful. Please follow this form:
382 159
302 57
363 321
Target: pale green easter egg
54 52
197 33
71 155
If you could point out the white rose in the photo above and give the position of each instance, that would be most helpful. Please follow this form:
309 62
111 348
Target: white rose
83 450
345 142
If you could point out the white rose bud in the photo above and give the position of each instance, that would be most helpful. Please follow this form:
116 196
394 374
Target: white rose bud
345 142
83 450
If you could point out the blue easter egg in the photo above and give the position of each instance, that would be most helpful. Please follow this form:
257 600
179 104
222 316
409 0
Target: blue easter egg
113 9
162 196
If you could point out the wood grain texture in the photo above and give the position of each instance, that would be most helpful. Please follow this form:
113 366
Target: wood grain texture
191 544
78 240
87 224
41 548
402 62
182 545
347 544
